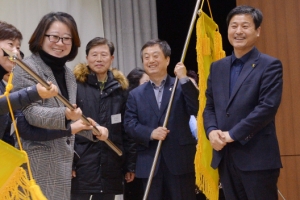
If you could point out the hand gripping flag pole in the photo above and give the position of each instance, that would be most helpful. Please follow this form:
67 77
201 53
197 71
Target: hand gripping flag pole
13 58
171 101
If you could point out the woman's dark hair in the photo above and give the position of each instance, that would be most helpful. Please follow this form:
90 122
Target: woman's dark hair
240 10
22 54
9 32
134 78
193 75
37 38
100 41
163 45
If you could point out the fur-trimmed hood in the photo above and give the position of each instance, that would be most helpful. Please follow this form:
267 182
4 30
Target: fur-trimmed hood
81 72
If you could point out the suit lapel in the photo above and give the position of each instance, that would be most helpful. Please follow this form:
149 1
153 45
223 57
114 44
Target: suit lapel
150 97
45 70
71 85
49 76
167 94
247 69
225 80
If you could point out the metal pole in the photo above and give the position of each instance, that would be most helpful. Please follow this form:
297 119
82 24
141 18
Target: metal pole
187 41
281 195
59 96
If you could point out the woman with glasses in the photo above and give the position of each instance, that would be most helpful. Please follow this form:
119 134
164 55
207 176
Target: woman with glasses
54 42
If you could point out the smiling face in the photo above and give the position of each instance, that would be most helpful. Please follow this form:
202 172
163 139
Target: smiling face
58 49
99 60
242 34
154 61
14 47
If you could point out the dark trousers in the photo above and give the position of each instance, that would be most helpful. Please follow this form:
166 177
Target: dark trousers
166 186
96 196
247 185
133 190
201 196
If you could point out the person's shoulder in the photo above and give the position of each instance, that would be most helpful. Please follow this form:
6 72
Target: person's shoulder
68 70
119 77
226 61
32 57
140 89
29 59
264 56
81 72
222 60
34 61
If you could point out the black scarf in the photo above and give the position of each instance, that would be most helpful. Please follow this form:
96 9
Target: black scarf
56 64
57 67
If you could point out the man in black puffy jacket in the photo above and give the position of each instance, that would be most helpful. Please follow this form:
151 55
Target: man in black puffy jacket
101 95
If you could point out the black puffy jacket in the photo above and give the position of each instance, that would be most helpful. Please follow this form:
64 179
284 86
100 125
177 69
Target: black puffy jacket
98 168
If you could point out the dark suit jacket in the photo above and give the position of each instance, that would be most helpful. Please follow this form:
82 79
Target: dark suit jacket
249 113
142 116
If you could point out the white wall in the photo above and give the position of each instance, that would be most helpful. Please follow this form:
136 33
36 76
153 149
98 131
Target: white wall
26 14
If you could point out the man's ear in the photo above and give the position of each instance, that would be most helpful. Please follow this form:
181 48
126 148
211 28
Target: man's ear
258 31
168 60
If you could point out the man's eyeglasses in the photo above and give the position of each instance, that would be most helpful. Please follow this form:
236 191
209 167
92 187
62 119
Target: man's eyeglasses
55 39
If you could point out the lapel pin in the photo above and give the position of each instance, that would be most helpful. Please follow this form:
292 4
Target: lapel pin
170 89
253 65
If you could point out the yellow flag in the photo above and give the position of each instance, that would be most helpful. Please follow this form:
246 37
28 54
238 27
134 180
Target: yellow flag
14 183
209 49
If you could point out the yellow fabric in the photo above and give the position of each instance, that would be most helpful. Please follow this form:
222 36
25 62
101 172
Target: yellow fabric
209 49
14 183
10 157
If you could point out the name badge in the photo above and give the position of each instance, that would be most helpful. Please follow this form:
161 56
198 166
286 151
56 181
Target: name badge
116 118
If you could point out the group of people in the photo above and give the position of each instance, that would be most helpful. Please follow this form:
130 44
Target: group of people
69 159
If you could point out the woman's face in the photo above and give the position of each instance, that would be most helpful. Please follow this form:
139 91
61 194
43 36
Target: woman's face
57 49
12 46
144 79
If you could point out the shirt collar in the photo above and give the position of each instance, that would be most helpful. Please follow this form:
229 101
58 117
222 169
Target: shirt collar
244 58
102 83
161 84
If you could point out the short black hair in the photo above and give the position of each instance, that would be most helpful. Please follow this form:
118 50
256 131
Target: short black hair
100 41
254 12
163 45
193 75
9 32
22 54
134 78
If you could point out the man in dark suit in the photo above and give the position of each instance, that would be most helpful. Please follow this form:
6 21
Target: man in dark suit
243 95
146 107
